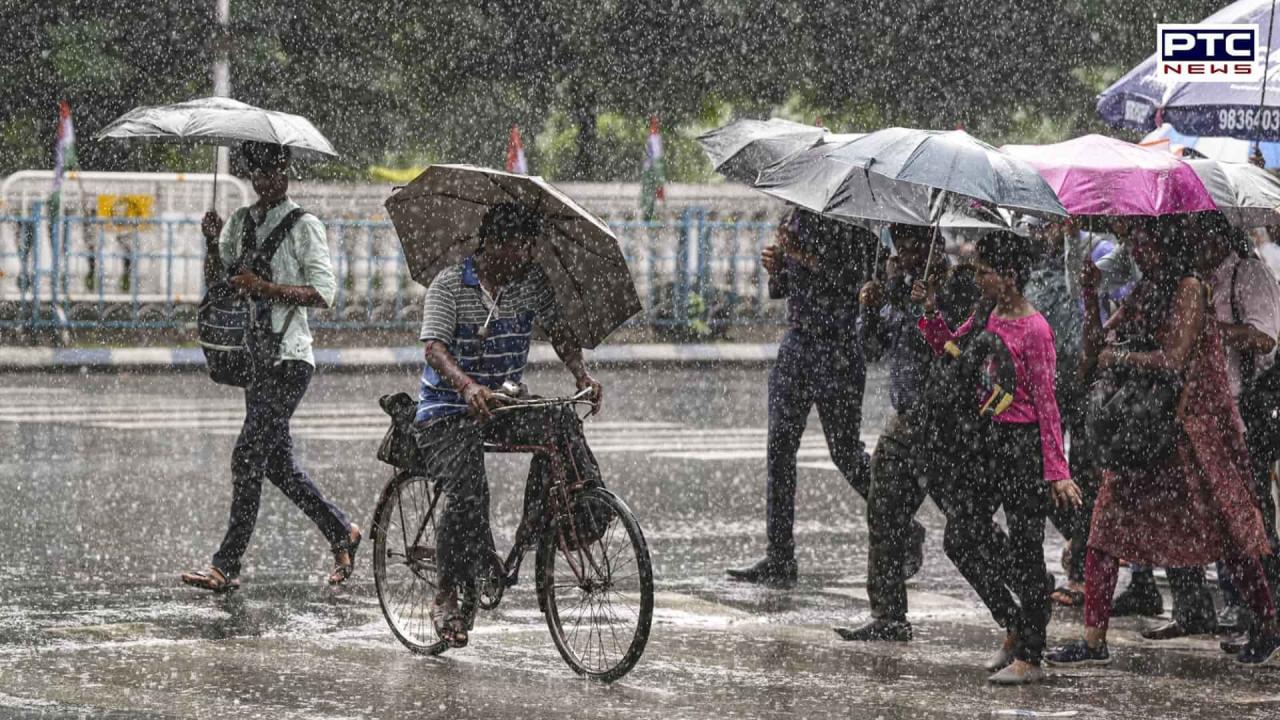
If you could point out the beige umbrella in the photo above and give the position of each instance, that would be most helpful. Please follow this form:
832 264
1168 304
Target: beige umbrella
438 215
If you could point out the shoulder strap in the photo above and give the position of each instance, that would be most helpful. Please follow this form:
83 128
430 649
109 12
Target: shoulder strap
249 239
277 236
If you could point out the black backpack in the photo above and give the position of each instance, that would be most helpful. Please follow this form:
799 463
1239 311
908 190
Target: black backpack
234 329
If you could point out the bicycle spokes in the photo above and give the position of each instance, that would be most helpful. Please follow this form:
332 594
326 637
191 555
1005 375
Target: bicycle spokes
600 592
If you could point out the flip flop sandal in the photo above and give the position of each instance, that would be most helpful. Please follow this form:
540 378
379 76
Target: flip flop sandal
449 624
340 571
212 580
1067 597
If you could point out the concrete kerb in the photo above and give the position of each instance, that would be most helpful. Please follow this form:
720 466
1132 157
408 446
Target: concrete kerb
29 359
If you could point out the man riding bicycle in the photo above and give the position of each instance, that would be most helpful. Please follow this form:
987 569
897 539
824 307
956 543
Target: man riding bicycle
477 322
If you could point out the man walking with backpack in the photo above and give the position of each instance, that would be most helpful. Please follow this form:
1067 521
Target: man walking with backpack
278 255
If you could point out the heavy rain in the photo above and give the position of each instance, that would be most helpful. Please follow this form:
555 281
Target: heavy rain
621 359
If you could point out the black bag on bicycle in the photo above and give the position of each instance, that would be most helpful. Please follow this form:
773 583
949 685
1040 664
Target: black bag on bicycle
1259 393
399 448
235 330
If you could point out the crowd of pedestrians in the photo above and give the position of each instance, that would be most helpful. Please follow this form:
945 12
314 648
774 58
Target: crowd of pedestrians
1112 380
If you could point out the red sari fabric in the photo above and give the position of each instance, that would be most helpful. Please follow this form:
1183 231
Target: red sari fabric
1194 507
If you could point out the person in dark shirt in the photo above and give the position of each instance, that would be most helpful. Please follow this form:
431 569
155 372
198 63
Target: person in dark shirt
818 266
910 451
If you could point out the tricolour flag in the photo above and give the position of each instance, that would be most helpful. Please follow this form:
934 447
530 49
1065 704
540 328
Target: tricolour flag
515 153
651 187
64 156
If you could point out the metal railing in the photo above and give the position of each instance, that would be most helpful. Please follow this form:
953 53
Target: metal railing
696 274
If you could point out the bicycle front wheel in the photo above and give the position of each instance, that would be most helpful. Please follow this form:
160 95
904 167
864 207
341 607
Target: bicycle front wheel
595 585
404 561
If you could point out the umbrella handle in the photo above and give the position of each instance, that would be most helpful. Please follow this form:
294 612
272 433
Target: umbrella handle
928 263
214 205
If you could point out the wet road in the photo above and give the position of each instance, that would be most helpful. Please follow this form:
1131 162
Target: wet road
115 484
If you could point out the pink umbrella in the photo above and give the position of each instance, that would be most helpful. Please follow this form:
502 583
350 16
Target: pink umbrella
1097 175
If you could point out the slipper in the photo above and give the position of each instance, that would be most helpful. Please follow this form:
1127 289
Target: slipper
343 571
449 624
211 579
1067 597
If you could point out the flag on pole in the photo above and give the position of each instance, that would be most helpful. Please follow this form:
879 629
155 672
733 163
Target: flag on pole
651 187
515 153
64 156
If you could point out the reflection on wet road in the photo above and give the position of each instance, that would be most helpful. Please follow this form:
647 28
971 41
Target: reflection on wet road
117 483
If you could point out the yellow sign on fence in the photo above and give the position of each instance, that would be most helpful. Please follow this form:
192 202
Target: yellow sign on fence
133 207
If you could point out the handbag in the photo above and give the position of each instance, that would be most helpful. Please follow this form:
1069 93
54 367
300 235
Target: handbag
235 330
1259 392
1133 420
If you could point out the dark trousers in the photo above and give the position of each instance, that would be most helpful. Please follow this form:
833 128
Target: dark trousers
825 369
452 451
1004 469
265 448
901 468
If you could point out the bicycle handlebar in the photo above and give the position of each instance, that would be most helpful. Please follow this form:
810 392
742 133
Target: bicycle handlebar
578 398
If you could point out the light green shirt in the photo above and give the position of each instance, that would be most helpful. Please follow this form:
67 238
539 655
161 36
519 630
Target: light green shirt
303 259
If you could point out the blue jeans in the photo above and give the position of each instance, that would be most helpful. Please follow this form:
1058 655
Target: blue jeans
265 448
826 370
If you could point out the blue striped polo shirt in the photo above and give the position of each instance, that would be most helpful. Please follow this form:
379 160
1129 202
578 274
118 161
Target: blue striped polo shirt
454 310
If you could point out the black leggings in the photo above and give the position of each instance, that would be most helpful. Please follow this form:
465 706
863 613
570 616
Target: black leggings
1002 469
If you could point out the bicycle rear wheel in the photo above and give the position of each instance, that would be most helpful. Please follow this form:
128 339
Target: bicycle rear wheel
597 591
404 561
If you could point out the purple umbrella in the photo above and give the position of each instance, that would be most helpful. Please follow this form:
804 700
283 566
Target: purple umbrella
1097 175
1247 110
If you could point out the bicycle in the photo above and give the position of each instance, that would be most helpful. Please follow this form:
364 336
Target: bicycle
594 584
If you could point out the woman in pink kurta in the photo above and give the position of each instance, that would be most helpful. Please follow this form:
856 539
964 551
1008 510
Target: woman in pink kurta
1017 464
1193 506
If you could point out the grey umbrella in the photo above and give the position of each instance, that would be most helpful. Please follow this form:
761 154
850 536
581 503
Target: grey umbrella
821 180
217 121
741 149
438 215
948 160
1248 195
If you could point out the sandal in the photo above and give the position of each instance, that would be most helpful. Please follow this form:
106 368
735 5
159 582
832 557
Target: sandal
1068 597
341 570
211 579
449 624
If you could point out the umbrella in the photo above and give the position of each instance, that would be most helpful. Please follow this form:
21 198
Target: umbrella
742 148
821 180
1242 109
438 215
1246 194
217 121
1227 149
949 160
1097 175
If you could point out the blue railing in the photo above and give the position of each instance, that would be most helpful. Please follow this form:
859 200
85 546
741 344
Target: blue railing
696 274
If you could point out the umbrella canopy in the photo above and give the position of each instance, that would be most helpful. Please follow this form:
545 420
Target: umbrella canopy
1097 175
953 161
438 216
1246 194
217 121
821 180
1142 101
1226 149
741 149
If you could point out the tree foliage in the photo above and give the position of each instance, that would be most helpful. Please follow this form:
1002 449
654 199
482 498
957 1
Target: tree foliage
407 83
